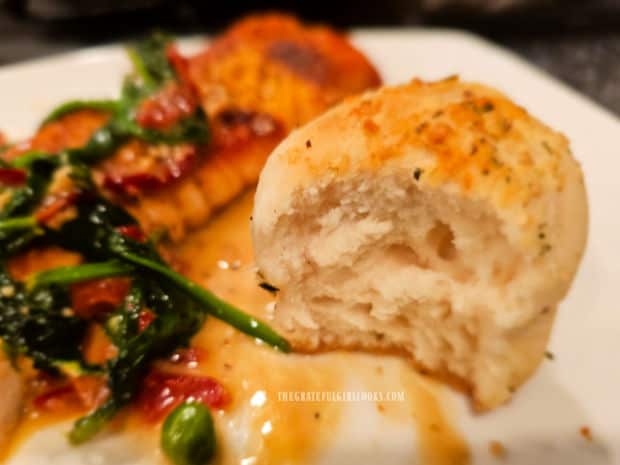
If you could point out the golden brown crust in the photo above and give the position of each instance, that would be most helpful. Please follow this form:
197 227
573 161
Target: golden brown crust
455 135
276 73
231 163
470 137
40 259
240 144
70 131
378 184
274 64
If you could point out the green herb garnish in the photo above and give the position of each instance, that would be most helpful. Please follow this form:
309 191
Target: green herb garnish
77 105
36 319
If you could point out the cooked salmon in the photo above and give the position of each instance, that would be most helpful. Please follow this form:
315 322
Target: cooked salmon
274 64
264 76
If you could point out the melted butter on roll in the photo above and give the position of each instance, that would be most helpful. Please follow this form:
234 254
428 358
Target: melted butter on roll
439 220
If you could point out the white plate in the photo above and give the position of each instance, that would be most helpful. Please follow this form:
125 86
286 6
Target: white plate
581 386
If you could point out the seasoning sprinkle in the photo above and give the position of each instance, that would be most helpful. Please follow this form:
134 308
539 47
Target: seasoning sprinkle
586 433
268 287
488 106
7 291
497 449
545 249
67 312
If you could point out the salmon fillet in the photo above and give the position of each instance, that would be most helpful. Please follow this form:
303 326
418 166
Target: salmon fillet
240 144
274 64
261 78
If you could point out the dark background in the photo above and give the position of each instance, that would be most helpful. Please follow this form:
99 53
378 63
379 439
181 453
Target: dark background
575 40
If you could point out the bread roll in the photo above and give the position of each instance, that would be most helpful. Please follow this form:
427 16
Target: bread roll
439 220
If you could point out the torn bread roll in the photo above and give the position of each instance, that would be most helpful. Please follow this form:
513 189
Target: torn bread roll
437 219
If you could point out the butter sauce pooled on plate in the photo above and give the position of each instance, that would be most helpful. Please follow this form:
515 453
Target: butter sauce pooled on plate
220 257
255 425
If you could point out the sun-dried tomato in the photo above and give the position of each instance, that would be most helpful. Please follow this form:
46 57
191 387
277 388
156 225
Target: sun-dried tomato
91 298
132 231
167 107
145 318
134 178
54 204
161 392
12 176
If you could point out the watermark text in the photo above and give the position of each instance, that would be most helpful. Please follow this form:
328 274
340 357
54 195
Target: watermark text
341 396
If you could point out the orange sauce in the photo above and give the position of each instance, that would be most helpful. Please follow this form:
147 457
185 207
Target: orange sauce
31 422
277 431
220 258
439 443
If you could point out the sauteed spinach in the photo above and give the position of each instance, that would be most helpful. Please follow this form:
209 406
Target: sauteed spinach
36 319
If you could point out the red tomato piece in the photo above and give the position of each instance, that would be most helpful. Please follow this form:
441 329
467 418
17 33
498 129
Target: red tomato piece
180 65
12 176
132 231
169 105
162 392
91 298
55 204
83 392
91 390
170 167
145 318
57 398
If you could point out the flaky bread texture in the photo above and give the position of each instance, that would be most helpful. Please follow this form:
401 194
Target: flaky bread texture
436 219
